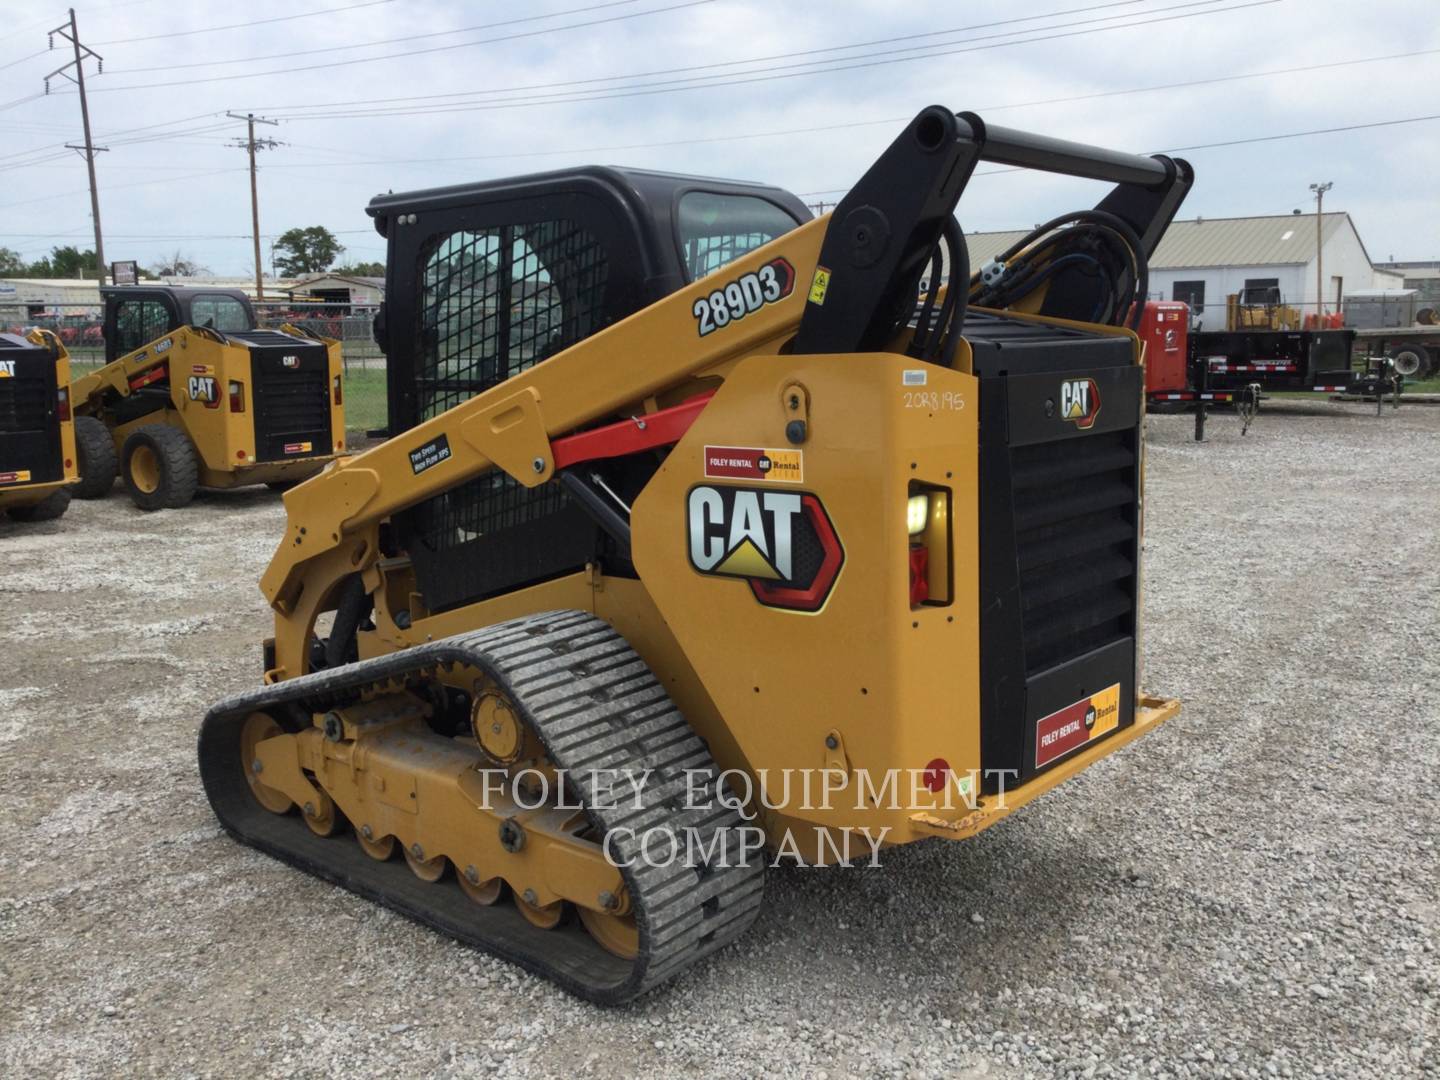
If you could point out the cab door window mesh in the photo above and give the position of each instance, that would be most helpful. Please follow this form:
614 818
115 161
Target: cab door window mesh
139 322
497 301
492 303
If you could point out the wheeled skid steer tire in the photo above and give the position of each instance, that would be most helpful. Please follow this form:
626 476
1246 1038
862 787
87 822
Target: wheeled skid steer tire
159 467
98 463
47 509
293 767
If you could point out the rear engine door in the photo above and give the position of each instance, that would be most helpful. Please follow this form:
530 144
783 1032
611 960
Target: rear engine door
290 378
29 425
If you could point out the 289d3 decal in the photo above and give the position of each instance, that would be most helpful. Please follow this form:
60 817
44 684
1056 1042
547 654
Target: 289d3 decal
745 295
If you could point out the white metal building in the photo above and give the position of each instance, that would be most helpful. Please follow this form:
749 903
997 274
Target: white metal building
1204 260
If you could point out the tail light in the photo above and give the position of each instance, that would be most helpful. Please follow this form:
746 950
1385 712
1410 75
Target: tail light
919 574
237 396
335 394
62 403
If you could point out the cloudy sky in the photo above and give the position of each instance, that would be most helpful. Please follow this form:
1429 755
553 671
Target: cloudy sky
376 95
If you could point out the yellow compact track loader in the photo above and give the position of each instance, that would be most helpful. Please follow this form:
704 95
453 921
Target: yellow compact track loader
708 535
37 436
194 395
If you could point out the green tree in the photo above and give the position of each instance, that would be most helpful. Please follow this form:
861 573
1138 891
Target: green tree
306 251
12 263
70 262
362 269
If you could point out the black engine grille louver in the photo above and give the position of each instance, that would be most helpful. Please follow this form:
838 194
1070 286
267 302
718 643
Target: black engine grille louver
1075 539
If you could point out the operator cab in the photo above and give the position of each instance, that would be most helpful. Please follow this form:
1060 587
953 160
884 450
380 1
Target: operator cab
136 315
485 280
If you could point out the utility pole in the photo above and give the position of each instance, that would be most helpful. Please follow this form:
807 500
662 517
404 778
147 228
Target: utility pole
250 144
71 33
1319 190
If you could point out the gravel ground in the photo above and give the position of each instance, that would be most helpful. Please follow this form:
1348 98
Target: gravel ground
1252 891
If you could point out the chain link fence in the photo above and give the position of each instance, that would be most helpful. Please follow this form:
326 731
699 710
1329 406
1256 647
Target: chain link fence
82 328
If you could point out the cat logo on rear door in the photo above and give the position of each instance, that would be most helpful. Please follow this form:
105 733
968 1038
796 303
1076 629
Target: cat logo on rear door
205 389
781 542
1079 402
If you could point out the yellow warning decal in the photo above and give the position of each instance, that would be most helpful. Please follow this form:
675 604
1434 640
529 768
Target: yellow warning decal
20 477
819 285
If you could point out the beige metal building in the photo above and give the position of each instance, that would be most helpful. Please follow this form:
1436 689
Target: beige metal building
1203 260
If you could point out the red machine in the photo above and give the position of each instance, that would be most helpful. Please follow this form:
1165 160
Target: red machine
1165 330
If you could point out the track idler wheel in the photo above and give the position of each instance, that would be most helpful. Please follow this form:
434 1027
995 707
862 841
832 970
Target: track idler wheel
257 728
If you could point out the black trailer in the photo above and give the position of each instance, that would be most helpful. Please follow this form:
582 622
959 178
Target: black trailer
1239 367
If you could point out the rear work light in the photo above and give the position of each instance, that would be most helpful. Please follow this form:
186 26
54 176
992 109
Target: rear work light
335 393
237 396
917 513
62 403
927 525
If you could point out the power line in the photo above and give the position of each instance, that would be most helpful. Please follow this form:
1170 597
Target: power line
839 191
130 131
26 162
117 187
1301 134
420 52
743 136
758 76
32 56
241 26
169 236
392 41
748 60
19 101
787 132
619 3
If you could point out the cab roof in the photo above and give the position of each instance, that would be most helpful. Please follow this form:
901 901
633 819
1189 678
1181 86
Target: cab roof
648 194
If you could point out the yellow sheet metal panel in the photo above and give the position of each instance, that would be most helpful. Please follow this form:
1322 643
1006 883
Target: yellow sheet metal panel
900 686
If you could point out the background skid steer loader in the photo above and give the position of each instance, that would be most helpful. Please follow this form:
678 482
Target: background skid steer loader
193 395
689 493
37 436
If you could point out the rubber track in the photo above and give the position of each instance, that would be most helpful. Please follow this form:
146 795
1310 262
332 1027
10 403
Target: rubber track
596 706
